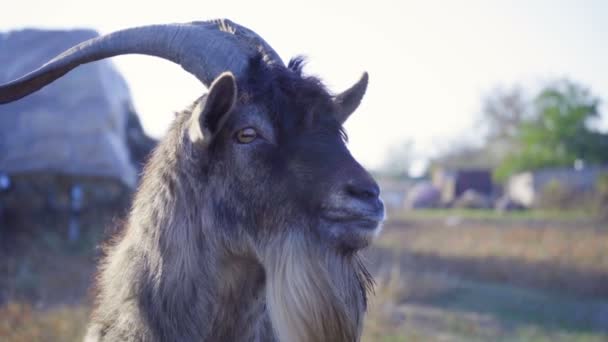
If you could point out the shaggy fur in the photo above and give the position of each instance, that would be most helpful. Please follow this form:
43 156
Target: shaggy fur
315 294
223 240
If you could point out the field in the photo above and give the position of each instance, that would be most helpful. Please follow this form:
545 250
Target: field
479 276
441 276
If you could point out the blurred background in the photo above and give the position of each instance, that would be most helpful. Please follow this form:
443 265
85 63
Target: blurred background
485 123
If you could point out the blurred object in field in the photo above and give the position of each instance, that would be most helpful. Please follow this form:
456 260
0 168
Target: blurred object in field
471 199
505 203
393 191
454 183
5 185
5 181
555 187
602 196
80 129
423 195
76 205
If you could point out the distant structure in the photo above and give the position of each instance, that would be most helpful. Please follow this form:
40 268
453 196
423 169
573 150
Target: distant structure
526 187
423 195
81 129
394 191
453 183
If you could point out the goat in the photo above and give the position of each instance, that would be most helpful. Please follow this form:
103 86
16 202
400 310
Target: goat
251 212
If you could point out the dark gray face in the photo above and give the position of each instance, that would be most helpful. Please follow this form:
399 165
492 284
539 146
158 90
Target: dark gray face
284 166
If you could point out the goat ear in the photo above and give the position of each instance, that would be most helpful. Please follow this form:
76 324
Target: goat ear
210 114
348 101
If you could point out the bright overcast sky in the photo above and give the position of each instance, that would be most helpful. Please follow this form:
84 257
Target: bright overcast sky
429 62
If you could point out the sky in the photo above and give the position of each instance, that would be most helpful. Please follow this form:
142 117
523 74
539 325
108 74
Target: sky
430 62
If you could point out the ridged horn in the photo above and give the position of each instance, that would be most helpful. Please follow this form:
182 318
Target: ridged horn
204 49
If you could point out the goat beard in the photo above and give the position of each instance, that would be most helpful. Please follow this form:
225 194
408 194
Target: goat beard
314 293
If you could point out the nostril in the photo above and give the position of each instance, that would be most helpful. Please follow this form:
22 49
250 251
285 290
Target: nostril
363 190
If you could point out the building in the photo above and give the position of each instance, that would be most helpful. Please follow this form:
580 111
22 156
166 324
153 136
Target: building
453 183
526 187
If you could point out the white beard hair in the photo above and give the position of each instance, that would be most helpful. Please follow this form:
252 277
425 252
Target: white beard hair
314 294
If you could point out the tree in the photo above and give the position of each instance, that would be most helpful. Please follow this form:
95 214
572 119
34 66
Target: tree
503 111
559 131
398 160
462 154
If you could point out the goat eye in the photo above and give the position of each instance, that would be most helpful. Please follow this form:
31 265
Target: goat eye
246 135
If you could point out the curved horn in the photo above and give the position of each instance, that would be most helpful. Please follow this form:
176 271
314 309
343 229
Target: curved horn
205 49
248 36
348 101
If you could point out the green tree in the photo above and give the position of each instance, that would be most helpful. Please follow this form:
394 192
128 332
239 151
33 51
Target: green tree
559 131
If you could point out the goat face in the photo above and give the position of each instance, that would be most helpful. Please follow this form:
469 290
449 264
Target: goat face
276 150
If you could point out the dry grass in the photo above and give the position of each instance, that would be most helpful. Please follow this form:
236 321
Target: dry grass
472 279
386 320
485 279
564 257
582 248
20 322
428 306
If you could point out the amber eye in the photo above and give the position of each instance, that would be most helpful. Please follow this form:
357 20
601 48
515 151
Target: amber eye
246 135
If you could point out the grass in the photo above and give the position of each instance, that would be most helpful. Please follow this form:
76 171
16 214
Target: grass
489 279
507 217
582 248
481 277
39 261
413 306
20 322
565 257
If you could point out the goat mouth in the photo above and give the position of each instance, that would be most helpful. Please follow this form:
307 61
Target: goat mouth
351 230
367 222
363 219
